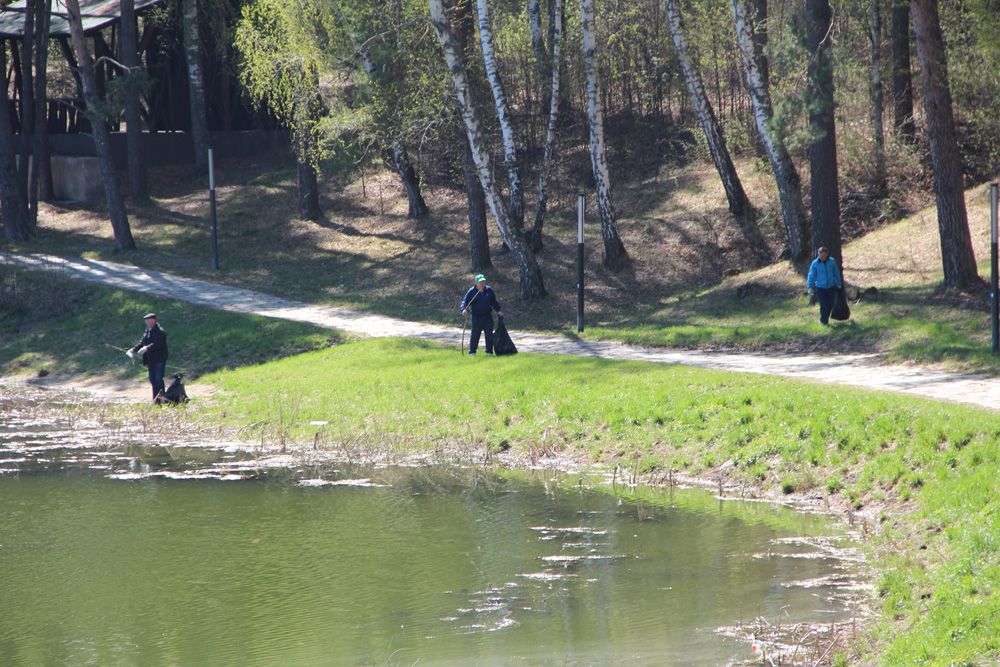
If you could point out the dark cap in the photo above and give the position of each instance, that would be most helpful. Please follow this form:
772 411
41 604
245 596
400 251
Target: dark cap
149 316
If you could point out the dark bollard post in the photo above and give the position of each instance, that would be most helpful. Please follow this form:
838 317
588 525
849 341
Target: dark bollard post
579 263
993 269
214 223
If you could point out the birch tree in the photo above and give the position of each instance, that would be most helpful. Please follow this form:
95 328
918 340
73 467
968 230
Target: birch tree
615 256
196 83
102 138
503 114
785 175
953 225
550 130
531 284
824 190
739 204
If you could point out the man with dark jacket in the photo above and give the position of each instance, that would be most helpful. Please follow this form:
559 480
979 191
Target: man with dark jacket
481 301
152 351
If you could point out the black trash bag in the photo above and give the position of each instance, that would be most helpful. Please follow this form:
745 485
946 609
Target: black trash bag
175 393
841 310
502 344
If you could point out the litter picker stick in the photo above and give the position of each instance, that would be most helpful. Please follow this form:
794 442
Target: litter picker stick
465 319
115 347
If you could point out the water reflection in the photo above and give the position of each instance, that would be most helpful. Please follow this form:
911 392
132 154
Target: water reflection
150 555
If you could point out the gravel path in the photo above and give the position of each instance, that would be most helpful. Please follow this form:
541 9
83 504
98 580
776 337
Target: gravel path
860 370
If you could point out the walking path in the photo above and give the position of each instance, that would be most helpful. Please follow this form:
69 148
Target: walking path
860 370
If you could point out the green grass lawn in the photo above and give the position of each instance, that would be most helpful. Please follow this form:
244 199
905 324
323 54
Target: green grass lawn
931 466
56 326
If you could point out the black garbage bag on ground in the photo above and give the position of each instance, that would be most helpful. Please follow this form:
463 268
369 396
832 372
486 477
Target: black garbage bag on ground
841 310
175 393
502 344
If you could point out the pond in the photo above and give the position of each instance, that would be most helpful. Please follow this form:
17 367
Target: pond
146 555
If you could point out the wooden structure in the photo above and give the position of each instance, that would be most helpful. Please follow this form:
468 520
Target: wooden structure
165 102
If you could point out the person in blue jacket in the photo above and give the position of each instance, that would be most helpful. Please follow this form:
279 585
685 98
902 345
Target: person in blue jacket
152 351
823 282
481 301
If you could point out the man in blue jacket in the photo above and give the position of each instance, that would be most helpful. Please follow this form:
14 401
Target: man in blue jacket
152 350
823 282
481 301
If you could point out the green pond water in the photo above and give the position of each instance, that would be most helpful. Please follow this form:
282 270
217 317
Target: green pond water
142 555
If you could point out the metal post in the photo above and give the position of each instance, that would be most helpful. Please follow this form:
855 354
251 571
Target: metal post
993 269
579 263
214 223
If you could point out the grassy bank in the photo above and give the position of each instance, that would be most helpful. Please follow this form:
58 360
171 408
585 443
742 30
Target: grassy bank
53 326
928 470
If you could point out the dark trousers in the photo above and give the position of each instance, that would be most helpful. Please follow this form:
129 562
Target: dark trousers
827 299
481 324
156 372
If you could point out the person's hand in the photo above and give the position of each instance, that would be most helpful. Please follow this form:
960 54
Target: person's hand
143 350
499 313
812 292
465 311
130 354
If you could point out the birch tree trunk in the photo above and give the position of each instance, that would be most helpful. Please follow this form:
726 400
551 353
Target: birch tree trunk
878 104
196 84
40 186
953 225
503 114
531 284
902 79
12 204
615 256
824 190
739 204
555 40
137 185
785 175
537 40
99 126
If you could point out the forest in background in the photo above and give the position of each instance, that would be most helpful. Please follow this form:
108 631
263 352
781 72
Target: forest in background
852 106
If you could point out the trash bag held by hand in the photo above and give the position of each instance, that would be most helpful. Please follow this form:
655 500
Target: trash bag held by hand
502 344
841 310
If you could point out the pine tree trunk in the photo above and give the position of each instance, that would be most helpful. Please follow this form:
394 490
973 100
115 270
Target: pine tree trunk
503 114
531 283
401 161
27 96
308 190
41 173
138 187
824 191
615 256
12 204
953 225
739 205
785 175
196 84
902 80
479 240
880 181
555 39
102 138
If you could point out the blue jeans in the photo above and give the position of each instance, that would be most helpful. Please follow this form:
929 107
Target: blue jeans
827 299
481 324
156 373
